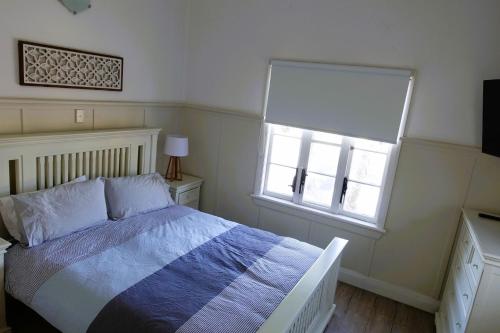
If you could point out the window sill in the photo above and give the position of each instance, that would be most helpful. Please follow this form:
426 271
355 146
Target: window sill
338 221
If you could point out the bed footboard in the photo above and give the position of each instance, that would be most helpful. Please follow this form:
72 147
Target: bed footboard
310 304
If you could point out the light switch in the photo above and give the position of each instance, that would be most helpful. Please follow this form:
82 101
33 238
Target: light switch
79 116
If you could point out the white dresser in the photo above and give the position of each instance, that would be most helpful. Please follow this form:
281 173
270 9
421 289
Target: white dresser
471 299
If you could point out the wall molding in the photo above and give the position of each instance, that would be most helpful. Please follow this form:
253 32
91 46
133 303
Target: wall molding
18 101
389 290
407 140
440 144
224 111
182 105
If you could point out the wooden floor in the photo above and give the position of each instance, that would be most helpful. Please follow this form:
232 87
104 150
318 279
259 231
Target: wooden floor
357 311
361 311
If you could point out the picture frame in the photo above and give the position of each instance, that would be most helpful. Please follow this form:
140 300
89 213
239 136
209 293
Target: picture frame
47 65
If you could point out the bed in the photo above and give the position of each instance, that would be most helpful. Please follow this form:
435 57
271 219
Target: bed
169 270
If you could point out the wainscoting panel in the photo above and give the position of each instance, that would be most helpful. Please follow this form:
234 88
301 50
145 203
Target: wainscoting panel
48 118
236 169
284 224
431 185
358 253
118 117
433 181
204 133
484 191
47 115
10 120
429 190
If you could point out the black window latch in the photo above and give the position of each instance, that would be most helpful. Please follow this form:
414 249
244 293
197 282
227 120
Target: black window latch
302 180
294 183
344 189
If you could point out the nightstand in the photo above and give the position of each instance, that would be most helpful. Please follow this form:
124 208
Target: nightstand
186 192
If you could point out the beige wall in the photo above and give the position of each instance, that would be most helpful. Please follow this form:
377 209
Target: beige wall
19 116
433 181
451 45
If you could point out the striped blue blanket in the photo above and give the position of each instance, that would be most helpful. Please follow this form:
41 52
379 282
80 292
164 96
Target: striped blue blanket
172 270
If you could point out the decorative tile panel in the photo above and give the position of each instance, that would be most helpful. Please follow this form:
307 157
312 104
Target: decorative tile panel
53 66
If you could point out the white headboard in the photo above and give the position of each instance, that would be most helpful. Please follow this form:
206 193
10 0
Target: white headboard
32 162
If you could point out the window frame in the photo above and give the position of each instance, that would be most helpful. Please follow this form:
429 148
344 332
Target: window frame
343 168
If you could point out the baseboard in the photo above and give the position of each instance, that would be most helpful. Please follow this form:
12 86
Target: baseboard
397 293
440 328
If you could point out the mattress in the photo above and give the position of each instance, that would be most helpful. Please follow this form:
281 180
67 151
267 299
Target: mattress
171 270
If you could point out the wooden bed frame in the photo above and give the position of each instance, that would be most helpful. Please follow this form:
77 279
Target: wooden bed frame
38 161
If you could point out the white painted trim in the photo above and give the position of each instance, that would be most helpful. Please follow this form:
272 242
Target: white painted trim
317 216
440 325
397 293
47 101
440 144
23 139
230 112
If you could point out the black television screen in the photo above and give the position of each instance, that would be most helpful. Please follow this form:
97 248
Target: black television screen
491 117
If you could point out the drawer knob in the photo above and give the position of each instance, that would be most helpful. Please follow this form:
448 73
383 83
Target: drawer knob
475 266
458 325
466 296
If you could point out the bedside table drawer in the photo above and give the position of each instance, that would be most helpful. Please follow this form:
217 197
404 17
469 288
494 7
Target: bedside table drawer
189 196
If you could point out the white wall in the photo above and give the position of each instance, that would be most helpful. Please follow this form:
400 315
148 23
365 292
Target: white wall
149 34
453 45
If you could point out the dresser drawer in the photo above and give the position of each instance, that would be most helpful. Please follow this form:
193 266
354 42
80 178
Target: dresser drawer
464 242
189 196
463 291
456 321
475 267
459 274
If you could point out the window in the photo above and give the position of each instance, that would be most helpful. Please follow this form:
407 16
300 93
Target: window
325 171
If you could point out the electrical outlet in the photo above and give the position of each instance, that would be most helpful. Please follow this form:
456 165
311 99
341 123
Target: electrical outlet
79 116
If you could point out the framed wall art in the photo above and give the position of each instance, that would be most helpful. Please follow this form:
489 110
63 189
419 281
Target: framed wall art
53 66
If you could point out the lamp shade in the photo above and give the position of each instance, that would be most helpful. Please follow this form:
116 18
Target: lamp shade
176 145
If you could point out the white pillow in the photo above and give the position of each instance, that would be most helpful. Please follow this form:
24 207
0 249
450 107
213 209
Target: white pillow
60 211
129 196
9 217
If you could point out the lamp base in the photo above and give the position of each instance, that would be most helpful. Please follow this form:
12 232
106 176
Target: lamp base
174 171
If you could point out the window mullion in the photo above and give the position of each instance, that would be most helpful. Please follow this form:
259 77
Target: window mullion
341 173
303 162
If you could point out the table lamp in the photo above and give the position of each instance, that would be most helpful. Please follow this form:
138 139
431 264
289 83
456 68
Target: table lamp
176 146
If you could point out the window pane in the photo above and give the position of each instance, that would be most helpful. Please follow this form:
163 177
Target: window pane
327 137
286 130
324 158
318 189
285 150
367 167
361 199
279 179
381 147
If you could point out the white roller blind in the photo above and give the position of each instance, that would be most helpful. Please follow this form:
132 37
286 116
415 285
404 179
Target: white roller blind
355 101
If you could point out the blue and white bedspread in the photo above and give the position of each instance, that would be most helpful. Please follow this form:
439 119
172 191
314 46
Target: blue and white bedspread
172 270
